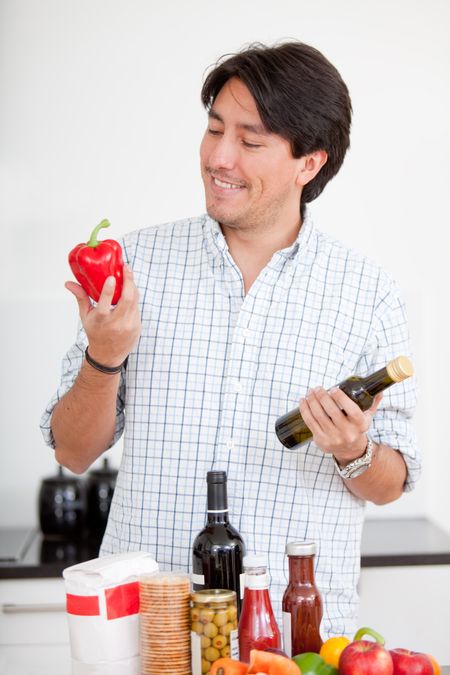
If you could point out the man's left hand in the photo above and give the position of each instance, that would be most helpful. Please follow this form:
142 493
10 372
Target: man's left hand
338 425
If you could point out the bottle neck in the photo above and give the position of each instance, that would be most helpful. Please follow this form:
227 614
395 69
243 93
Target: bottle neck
217 511
256 592
378 381
257 582
301 569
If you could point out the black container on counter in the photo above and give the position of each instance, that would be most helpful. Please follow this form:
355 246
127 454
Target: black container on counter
62 505
100 484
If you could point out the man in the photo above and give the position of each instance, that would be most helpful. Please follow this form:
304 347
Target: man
226 320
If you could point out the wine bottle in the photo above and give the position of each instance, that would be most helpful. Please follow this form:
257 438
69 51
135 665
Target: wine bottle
218 549
291 428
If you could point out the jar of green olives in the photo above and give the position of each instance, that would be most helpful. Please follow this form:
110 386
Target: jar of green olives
213 628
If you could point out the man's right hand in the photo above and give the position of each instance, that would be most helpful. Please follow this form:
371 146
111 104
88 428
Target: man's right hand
112 331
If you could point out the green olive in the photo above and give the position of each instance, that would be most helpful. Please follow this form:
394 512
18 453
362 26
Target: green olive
212 654
221 618
210 630
206 641
219 642
226 629
197 627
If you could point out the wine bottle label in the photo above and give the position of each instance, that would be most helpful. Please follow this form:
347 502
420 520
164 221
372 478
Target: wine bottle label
242 584
198 579
196 654
234 645
287 633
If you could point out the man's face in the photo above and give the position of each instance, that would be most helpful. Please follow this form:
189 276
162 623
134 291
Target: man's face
249 174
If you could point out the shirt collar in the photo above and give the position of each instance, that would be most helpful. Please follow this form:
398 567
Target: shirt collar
217 246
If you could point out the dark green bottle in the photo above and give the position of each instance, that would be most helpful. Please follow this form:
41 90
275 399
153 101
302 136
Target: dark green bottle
291 428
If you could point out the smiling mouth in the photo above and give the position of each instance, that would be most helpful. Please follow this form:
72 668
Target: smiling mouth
226 185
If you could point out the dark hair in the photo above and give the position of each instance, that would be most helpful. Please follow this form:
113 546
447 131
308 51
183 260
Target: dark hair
299 95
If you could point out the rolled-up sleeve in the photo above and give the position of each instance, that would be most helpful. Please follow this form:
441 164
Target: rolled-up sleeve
392 423
70 368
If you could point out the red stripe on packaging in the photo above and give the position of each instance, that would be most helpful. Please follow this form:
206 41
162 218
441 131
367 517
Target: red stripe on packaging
122 600
82 605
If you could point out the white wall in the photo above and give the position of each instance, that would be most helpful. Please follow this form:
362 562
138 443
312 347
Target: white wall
100 117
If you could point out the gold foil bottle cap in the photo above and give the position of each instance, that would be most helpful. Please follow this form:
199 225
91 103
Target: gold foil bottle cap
400 368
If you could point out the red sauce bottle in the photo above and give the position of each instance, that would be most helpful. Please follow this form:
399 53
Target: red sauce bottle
302 602
258 628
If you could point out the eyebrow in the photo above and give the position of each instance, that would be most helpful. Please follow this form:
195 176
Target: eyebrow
258 129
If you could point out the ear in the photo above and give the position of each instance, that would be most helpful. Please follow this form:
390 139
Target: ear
309 166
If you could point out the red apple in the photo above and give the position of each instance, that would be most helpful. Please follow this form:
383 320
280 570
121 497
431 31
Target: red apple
365 657
411 663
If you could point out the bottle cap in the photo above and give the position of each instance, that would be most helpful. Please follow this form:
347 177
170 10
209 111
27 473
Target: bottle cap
300 548
216 477
254 560
400 368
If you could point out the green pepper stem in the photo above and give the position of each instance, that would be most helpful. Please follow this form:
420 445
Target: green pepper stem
93 241
369 631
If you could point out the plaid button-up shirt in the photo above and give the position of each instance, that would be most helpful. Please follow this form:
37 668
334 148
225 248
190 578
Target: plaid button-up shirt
213 370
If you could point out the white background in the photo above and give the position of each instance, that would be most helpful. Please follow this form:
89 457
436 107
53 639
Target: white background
100 116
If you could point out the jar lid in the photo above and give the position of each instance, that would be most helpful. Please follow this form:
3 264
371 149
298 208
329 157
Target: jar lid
213 595
254 560
300 548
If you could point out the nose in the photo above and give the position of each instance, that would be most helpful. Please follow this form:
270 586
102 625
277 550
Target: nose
223 154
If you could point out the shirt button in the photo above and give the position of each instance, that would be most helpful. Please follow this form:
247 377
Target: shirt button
230 445
238 387
246 332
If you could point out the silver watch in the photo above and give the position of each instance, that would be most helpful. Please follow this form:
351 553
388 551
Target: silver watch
358 466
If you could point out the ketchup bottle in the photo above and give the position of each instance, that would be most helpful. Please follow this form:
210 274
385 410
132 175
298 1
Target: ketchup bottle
258 628
302 602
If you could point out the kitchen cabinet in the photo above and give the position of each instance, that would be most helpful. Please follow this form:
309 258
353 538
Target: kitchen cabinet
32 611
409 605
35 660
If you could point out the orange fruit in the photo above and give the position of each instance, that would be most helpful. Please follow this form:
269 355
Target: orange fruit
332 649
435 664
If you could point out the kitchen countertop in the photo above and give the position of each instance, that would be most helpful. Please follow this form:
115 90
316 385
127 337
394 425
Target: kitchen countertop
385 542
403 541
44 659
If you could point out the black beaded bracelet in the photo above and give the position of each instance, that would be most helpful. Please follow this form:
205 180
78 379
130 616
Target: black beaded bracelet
103 369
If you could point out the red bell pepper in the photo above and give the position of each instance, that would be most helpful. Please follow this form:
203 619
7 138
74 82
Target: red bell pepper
96 260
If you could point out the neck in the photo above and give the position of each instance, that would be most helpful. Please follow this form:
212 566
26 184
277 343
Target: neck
252 249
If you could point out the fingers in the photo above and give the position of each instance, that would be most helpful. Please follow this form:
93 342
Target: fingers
376 402
106 296
324 410
129 290
344 402
82 298
334 429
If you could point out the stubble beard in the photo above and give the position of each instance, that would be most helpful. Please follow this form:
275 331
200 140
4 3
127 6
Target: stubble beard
249 219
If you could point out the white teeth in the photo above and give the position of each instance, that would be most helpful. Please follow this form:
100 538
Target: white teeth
228 186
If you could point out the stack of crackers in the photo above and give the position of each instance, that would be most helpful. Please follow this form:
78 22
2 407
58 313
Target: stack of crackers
164 624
